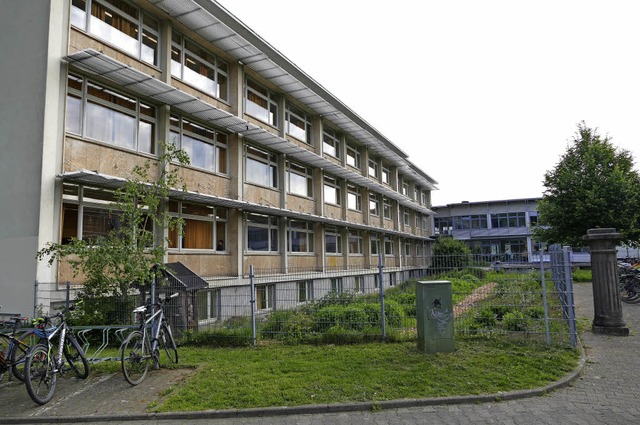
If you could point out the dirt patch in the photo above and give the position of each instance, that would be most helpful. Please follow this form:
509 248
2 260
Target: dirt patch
477 295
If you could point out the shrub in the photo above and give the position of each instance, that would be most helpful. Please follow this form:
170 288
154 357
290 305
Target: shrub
291 325
514 321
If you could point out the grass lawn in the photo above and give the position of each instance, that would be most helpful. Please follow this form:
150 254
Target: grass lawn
292 375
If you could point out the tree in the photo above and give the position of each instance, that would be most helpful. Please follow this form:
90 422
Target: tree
125 255
450 253
594 185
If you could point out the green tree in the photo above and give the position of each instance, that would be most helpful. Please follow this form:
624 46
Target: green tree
125 255
594 185
450 253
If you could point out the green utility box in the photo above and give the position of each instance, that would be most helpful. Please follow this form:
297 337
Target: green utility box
434 313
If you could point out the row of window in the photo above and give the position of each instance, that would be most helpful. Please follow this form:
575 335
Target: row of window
130 29
444 225
90 212
209 302
99 113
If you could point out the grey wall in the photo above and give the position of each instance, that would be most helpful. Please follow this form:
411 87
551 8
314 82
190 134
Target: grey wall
24 28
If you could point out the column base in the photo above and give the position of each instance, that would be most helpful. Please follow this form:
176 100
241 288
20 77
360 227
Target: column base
610 330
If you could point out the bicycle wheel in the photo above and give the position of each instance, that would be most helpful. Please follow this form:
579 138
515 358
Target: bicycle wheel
5 355
629 290
168 343
40 375
135 357
75 357
19 352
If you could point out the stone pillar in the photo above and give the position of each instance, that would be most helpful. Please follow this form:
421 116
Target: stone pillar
606 294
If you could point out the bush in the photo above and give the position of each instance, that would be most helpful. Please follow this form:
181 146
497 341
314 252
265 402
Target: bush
292 325
514 321
450 253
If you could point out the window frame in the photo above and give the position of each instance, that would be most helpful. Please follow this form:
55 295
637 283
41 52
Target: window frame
333 232
218 143
331 144
269 224
355 242
114 102
374 169
183 48
268 162
354 197
268 114
293 168
332 184
84 21
302 117
305 229
305 291
353 156
219 225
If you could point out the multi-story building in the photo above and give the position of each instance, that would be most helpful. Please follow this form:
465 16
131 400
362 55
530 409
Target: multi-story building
283 176
499 230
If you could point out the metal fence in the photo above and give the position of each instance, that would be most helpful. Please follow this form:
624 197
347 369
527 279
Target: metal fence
344 306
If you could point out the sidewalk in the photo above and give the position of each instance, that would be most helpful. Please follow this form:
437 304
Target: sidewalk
604 390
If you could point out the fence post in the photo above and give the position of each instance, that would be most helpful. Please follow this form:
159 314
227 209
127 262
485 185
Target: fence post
253 305
382 317
569 288
544 298
68 295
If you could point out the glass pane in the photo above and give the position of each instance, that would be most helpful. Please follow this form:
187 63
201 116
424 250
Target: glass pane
73 114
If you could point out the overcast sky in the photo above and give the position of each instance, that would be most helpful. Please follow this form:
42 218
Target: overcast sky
484 96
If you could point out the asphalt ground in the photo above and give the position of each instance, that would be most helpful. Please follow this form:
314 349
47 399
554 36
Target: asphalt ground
605 389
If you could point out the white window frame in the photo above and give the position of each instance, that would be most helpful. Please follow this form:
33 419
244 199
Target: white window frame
374 169
333 232
213 140
331 144
387 209
209 302
355 242
305 291
386 175
333 187
304 230
299 125
296 171
336 285
266 167
265 297
265 222
354 198
353 156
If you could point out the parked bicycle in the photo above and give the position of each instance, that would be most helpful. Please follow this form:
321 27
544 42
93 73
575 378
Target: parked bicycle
47 360
629 278
142 345
14 348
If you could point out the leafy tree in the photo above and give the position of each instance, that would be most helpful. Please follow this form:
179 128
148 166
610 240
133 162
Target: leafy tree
450 253
594 185
126 254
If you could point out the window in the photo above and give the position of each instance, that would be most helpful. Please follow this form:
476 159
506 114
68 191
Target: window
503 220
373 169
418 221
406 217
305 291
374 204
300 179
353 156
358 284
300 236
443 225
388 245
208 305
355 242
262 233
416 194
207 148
425 198
118 23
376 281
386 206
336 285
332 240
375 244
298 124
418 249
261 103
332 191
99 113
354 198
465 222
405 188
265 297
407 249
88 213
386 175
201 226
261 167
331 143
199 68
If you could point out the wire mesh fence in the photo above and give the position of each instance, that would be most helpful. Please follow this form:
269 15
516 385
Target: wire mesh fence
345 306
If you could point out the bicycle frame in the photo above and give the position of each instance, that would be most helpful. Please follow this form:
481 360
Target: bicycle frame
61 331
154 322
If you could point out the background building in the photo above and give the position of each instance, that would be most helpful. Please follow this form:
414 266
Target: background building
283 176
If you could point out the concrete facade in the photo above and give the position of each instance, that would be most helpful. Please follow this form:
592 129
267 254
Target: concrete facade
78 78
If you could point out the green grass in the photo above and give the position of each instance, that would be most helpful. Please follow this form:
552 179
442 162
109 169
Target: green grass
292 375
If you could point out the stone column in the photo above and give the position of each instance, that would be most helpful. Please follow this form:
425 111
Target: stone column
606 296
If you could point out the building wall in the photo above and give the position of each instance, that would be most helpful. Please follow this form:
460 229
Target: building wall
38 150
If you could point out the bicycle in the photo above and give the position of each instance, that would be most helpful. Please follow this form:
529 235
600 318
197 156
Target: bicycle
629 279
43 364
144 343
13 349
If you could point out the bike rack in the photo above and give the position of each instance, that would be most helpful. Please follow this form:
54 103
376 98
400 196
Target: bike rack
118 333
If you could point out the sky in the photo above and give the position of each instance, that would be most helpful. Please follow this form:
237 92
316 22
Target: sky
484 96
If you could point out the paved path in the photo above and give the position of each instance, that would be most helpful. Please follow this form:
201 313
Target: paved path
608 392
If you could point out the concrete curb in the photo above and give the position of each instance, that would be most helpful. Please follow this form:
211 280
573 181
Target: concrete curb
566 381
